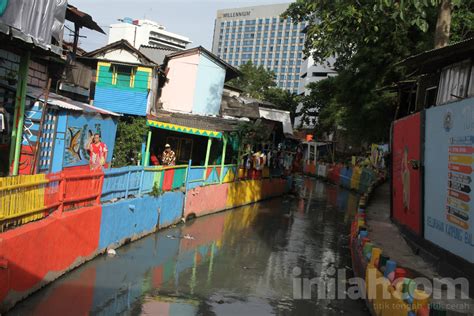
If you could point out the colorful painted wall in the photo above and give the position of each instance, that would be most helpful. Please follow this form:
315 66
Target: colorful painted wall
72 225
448 199
209 86
406 180
79 129
123 89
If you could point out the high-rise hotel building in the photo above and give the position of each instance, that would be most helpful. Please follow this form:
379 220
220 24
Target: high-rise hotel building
260 35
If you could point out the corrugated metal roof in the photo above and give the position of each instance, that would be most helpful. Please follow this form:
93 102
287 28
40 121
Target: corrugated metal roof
66 103
156 54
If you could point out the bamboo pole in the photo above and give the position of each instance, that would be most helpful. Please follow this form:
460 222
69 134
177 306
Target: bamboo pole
19 116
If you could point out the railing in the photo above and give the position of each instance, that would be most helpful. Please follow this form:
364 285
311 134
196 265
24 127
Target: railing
28 198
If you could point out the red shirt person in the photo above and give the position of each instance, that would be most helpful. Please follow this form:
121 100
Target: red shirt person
97 152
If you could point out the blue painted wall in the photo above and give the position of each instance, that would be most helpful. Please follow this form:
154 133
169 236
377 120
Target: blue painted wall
60 142
126 101
120 221
171 208
209 87
79 127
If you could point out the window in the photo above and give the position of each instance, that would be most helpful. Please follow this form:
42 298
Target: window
294 33
293 40
295 84
267 21
285 55
257 49
277 55
276 62
290 77
279 34
123 76
262 56
279 41
292 55
228 23
287 34
320 74
272 41
274 20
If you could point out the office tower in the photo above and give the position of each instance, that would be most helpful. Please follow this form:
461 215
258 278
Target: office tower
260 35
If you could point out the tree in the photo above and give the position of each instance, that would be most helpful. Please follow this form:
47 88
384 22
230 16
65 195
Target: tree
254 80
131 131
368 38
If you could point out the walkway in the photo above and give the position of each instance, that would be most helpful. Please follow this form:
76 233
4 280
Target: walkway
387 236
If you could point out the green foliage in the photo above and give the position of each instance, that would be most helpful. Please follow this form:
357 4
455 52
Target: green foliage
368 38
251 133
131 131
155 191
254 81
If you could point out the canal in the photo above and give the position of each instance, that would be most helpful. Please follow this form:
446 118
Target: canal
241 262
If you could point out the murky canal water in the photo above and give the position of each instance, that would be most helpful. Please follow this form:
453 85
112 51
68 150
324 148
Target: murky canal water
240 262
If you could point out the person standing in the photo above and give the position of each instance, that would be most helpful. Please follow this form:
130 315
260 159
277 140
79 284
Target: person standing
169 157
97 152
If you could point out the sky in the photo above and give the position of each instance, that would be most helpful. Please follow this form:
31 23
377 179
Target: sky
194 19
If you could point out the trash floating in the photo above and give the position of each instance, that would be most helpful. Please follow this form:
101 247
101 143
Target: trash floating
111 252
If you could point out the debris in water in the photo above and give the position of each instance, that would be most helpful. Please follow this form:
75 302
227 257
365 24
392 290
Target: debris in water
111 252
187 236
171 236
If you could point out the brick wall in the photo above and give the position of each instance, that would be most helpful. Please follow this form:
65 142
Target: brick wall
10 62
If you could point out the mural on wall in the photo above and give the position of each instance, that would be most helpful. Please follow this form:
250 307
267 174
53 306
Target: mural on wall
79 130
406 179
448 195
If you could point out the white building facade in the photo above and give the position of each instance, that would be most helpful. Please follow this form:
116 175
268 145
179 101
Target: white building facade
312 72
146 33
259 34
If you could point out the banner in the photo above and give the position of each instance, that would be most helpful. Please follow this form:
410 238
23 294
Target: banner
449 202
405 178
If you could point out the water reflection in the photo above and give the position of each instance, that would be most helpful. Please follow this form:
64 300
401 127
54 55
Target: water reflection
235 262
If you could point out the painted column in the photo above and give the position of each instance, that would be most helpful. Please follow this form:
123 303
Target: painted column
146 163
19 115
208 152
315 153
224 138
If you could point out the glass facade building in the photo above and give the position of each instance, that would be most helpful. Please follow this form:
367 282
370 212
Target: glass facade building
259 34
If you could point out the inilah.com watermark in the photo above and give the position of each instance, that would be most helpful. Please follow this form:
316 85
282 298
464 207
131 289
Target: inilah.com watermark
335 285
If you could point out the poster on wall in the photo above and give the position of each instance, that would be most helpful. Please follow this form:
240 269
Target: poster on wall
79 129
449 200
406 178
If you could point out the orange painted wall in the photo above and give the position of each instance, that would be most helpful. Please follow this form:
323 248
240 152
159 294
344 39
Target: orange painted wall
46 248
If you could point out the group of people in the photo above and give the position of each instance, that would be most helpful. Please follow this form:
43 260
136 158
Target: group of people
255 162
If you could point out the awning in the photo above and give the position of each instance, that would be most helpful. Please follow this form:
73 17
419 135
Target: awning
184 129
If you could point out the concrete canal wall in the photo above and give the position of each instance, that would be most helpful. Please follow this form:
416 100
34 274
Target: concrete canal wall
81 214
385 283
